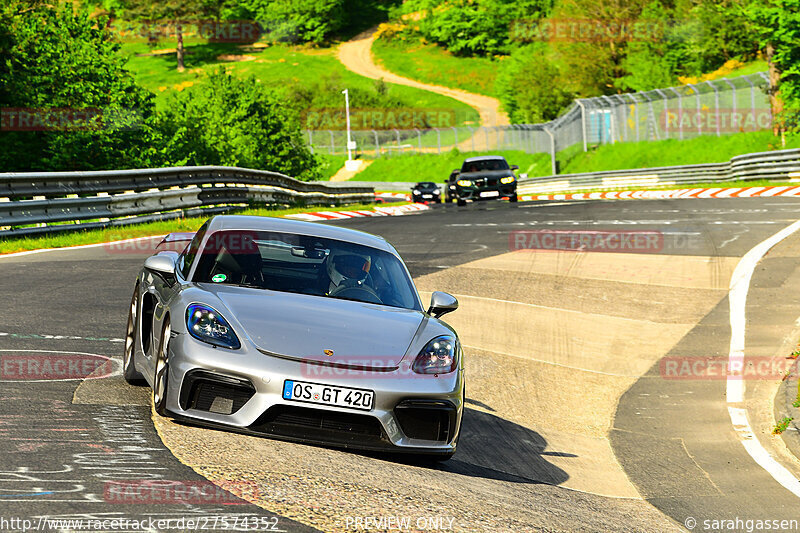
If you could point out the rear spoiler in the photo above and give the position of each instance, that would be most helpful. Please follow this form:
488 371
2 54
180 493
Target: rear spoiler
175 242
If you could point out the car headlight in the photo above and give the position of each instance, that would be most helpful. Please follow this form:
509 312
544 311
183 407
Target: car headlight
438 357
464 183
415 191
436 191
205 324
507 179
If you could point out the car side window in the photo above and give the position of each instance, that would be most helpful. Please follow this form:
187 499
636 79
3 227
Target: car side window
188 255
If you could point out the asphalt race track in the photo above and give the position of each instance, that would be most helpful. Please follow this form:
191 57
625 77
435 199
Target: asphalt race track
573 422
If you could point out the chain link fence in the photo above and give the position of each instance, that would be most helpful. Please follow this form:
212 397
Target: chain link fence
708 108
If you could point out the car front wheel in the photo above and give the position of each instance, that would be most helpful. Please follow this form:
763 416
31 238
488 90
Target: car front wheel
161 374
129 371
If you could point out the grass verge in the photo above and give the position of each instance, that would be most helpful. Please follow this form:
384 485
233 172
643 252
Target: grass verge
648 154
78 238
276 66
432 64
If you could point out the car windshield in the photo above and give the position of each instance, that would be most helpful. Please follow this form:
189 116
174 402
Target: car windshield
486 164
304 264
426 185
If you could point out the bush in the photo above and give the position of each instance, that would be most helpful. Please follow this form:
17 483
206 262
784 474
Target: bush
236 122
471 27
531 86
56 61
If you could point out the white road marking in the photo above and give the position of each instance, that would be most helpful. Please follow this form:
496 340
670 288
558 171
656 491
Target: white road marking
80 247
740 284
57 337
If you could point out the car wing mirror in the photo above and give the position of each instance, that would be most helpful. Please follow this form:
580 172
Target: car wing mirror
514 167
162 264
442 303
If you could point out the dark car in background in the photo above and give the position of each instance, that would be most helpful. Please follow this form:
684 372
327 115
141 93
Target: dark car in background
486 178
450 186
426 191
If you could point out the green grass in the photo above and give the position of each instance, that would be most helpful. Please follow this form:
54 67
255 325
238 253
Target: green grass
752 67
704 149
275 66
77 238
433 167
429 63
331 164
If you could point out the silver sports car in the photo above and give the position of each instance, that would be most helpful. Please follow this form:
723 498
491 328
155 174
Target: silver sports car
296 330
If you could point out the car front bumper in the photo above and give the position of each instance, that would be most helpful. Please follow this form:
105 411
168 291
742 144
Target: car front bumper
242 390
485 193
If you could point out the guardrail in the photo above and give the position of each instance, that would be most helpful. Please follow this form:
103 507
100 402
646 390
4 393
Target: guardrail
781 165
45 202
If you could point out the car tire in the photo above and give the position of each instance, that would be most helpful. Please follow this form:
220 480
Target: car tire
461 202
513 198
129 371
161 371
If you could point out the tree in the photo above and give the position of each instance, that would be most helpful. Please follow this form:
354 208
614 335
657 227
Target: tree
174 13
531 86
776 24
237 122
58 62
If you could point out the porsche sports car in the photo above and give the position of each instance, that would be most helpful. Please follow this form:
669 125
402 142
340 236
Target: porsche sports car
296 330
426 191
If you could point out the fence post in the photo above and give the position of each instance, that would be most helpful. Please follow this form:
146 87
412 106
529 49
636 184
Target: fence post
716 103
666 112
472 137
333 144
697 92
553 165
733 97
583 122
765 77
311 140
419 141
377 144
680 112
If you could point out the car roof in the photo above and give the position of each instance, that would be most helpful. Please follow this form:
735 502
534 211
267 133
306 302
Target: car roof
285 225
485 158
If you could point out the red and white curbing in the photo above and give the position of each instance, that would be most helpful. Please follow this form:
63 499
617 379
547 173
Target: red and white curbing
718 192
384 196
379 211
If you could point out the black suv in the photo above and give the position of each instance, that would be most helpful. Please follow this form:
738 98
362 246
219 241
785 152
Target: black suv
426 191
486 178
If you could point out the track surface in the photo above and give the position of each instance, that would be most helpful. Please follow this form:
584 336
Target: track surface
673 439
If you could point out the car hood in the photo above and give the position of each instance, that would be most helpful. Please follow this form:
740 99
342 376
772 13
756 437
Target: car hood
303 327
485 174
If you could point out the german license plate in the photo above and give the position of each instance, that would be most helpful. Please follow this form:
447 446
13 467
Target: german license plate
490 194
300 391
427 196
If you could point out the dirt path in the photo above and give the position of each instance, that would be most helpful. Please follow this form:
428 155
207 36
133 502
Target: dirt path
356 56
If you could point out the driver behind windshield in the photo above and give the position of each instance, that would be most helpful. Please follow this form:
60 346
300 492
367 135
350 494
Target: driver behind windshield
347 270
